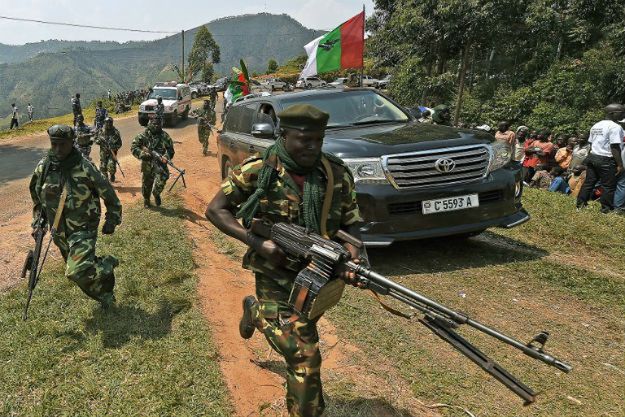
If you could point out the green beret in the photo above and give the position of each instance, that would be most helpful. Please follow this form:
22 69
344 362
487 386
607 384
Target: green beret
303 117
61 132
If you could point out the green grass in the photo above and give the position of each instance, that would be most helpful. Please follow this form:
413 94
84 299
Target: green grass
151 355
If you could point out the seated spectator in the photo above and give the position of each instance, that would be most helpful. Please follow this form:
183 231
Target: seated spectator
559 184
578 176
564 155
504 134
580 151
542 178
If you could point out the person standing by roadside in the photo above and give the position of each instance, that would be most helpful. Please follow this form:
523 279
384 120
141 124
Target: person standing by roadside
504 134
605 162
14 117
109 94
29 109
76 107
519 148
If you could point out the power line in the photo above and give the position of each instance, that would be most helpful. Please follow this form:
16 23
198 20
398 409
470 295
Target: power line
85 26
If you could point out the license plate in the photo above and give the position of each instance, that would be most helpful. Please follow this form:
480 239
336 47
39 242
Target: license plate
450 204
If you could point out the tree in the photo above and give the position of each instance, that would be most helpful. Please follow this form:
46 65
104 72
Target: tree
204 47
272 66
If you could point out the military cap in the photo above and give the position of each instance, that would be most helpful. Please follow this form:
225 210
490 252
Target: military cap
303 117
61 132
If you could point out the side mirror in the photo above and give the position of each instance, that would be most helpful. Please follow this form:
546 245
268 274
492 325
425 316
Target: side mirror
263 130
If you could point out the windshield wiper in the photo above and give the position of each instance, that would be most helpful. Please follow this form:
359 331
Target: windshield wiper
369 122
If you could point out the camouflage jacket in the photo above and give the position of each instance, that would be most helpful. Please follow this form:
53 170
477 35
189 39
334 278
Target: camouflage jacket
112 139
83 135
100 115
161 143
283 203
86 186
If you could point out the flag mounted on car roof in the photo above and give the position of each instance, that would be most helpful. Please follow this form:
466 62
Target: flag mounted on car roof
338 49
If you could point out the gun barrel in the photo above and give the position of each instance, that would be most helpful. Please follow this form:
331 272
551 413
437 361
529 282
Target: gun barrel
424 304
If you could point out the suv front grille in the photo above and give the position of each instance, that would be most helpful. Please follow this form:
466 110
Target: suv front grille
149 108
418 169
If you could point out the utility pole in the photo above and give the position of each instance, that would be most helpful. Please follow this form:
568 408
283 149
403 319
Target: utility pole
182 66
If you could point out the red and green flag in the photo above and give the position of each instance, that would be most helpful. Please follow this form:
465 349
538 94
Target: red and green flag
339 49
240 84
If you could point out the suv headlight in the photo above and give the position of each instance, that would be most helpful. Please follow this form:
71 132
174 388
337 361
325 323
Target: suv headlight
142 107
502 155
367 170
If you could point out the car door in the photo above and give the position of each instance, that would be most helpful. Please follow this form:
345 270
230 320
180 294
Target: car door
241 142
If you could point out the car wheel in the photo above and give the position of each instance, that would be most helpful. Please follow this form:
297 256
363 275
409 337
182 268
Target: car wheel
173 120
308 86
272 88
226 168
193 95
185 114
143 122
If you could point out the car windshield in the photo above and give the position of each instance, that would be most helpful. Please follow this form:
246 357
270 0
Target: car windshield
353 108
166 93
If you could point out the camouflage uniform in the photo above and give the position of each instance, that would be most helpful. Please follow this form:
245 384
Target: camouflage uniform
159 111
295 338
206 119
84 139
108 140
78 229
100 114
155 173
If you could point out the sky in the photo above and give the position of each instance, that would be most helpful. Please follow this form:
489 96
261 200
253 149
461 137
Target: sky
165 15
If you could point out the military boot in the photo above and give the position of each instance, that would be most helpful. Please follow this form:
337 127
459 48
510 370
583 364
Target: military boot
146 203
112 177
157 200
246 325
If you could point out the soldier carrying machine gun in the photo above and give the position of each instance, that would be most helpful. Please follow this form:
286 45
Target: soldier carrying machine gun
315 290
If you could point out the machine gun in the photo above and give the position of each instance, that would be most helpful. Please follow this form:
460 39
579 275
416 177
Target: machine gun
31 264
157 157
315 290
104 143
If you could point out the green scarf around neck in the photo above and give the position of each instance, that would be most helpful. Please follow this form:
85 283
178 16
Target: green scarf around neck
313 187
68 163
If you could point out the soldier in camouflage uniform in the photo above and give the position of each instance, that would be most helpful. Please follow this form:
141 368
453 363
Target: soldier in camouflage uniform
84 137
287 184
76 107
205 121
159 109
100 115
65 168
109 140
155 172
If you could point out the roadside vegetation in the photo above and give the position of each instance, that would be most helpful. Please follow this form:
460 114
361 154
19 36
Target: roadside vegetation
150 355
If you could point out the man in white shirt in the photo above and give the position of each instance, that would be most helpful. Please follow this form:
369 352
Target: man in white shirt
29 109
605 162
14 117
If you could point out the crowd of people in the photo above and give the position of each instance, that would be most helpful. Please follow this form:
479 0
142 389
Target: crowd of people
587 165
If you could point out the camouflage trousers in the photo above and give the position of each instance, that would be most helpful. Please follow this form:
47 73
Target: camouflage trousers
94 275
203 133
106 163
298 343
153 179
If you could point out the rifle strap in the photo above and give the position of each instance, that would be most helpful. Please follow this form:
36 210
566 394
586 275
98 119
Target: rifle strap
389 308
327 200
59 209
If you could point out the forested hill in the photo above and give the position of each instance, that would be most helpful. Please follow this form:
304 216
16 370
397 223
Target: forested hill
18 53
49 79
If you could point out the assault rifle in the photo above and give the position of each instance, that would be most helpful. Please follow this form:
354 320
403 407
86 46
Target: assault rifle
31 264
315 290
157 157
104 143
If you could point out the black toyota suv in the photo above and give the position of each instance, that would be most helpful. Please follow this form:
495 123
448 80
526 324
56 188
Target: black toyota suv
413 180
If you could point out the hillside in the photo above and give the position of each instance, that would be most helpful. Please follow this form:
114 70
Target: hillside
10 54
48 80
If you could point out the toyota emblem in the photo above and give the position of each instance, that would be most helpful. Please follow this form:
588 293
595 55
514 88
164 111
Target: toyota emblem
445 165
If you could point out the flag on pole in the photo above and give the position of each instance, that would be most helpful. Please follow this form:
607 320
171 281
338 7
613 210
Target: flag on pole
336 50
240 85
